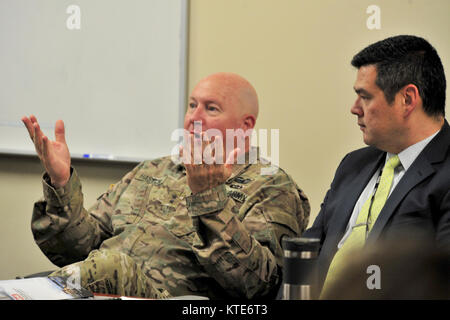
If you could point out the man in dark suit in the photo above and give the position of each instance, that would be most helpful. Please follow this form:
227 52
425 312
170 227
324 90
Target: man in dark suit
400 109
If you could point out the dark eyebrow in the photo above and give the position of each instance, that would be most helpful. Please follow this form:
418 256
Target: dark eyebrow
362 91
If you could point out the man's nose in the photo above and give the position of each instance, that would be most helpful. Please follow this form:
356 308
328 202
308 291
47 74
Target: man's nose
197 115
356 108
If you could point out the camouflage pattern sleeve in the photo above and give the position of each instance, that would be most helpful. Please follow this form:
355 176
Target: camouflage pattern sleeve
240 236
63 229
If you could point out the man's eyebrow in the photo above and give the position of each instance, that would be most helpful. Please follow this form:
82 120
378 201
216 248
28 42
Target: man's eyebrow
206 100
212 101
361 90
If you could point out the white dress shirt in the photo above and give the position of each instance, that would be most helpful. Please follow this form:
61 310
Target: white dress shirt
406 157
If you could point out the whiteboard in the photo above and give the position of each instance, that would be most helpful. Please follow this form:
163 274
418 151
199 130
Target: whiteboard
113 70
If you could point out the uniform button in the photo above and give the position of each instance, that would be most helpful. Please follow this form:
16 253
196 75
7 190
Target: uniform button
66 208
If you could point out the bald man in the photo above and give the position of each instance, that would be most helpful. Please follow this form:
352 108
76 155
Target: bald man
172 229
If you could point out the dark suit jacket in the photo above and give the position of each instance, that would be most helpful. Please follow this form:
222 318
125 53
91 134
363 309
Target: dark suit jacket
420 201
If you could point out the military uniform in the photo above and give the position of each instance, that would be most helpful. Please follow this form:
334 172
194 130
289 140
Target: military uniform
148 235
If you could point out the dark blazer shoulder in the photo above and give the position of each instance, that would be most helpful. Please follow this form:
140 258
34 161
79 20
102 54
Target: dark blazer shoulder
355 161
363 153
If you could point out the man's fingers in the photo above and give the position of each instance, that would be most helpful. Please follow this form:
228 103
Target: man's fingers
37 137
45 147
197 148
219 151
183 155
60 132
29 126
33 119
232 157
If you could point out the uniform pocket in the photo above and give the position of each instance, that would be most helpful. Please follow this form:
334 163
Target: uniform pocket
181 226
165 198
277 225
131 206
282 218
163 202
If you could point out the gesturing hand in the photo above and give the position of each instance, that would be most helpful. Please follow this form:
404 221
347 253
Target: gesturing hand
54 155
208 173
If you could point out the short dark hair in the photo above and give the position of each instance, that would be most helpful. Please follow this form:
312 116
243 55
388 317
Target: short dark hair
403 60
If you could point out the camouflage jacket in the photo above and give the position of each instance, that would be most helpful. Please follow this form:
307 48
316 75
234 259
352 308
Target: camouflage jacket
223 242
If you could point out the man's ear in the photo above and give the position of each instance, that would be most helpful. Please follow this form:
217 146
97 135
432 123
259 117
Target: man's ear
249 122
410 98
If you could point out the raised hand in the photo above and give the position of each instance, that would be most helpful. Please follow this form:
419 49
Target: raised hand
204 173
54 155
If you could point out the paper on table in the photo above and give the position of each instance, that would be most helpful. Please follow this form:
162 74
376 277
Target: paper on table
41 288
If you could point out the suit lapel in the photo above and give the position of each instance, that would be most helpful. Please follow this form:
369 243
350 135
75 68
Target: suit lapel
421 168
352 193
349 195
419 171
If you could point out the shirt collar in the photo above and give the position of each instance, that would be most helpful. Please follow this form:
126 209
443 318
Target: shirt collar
410 154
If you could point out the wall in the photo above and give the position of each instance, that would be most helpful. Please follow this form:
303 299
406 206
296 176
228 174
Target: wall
296 54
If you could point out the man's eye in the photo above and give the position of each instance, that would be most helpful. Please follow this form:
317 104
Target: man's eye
192 105
211 108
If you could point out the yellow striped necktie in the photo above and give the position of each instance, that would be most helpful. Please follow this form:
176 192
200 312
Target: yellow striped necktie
366 218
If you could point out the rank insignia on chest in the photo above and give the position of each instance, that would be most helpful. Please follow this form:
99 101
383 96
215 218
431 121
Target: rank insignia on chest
236 195
236 186
242 180
150 180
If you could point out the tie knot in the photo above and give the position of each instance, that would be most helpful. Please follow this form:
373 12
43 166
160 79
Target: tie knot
393 162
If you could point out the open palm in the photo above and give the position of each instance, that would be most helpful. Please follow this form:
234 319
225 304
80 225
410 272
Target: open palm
54 155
